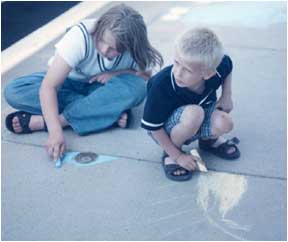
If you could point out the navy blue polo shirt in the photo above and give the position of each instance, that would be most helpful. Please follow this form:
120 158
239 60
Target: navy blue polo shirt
164 96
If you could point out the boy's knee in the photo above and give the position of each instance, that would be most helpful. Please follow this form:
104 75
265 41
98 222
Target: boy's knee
221 123
193 115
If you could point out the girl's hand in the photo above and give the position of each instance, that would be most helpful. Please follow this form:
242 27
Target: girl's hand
102 78
225 104
187 161
56 146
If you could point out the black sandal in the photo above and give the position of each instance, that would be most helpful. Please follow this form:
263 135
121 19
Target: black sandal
222 149
24 120
171 168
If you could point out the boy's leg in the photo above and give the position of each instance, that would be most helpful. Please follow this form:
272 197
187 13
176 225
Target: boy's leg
183 124
221 123
188 125
103 106
23 94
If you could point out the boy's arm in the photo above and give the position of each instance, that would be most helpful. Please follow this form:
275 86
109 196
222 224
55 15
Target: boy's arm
184 160
165 142
227 86
225 101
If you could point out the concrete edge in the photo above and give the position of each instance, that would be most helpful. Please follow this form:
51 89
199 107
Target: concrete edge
30 44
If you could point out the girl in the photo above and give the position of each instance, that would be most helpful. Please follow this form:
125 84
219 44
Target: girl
96 76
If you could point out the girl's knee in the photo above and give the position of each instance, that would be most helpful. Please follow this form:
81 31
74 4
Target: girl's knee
221 123
10 94
136 86
193 115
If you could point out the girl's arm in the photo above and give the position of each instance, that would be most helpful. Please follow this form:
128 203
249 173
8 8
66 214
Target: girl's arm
106 76
55 76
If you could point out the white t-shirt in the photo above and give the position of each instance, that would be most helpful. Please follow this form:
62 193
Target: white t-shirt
78 49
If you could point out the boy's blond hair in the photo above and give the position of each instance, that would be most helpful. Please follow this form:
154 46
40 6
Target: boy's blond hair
200 45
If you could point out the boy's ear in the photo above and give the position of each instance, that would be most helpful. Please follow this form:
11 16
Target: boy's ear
209 74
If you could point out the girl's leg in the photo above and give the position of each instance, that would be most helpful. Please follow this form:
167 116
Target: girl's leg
23 94
103 106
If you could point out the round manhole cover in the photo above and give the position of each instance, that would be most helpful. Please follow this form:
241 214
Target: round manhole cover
86 157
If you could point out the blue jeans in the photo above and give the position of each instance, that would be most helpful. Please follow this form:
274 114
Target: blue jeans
86 107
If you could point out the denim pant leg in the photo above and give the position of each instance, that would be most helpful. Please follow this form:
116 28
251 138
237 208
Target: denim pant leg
104 104
23 93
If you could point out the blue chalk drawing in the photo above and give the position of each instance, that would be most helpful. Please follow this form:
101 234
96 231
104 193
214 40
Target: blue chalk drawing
69 158
58 163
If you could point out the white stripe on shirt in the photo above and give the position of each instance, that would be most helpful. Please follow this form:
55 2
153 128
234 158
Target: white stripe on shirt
172 80
150 124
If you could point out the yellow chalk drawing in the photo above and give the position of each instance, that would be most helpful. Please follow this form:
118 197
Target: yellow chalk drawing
222 192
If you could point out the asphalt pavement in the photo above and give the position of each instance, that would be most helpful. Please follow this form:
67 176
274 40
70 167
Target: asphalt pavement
127 196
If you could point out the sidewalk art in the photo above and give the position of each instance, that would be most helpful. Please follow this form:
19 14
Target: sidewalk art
83 159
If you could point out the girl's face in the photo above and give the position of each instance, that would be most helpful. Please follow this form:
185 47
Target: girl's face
107 45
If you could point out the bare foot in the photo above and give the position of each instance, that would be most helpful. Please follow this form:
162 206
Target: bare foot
36 123
220 141
122 121
178 172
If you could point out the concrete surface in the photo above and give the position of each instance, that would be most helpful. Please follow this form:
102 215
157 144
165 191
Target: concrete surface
130 198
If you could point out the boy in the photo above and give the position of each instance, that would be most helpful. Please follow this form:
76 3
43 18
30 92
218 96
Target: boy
182 105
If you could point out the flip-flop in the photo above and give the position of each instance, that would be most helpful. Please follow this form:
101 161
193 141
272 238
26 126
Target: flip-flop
221 150
171 168
24 120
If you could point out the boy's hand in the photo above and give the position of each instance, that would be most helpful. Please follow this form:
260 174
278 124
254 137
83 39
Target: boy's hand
187 161
225 104
56 146
102 78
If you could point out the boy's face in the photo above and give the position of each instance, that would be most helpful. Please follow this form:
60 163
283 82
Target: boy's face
187 74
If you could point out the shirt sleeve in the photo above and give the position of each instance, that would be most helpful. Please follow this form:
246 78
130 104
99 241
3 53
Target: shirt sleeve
156 110
227 66
72 46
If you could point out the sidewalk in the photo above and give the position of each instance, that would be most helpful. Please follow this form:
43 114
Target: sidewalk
130 198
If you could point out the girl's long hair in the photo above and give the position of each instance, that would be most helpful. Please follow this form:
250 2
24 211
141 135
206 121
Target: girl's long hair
130 31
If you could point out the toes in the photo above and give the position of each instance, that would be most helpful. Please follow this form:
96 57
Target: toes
15 120
17 129
124 116
16 125
231 150
179 172
176 173
183 172
122 122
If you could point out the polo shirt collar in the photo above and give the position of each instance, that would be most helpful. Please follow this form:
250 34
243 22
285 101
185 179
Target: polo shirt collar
172 78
